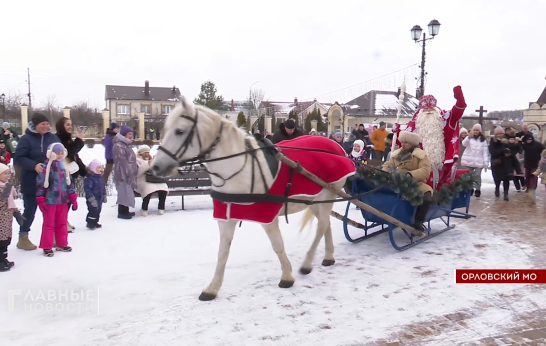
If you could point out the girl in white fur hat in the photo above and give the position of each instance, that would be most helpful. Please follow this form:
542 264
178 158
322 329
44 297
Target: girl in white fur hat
55 192
358 155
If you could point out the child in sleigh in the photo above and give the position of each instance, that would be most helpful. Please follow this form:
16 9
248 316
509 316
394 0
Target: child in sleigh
358 155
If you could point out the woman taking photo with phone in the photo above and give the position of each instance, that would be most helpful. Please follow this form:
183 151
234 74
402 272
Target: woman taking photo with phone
73 146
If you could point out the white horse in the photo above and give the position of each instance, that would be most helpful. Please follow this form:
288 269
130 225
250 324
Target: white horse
195 131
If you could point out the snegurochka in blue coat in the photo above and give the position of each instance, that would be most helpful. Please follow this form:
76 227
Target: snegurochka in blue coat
30 156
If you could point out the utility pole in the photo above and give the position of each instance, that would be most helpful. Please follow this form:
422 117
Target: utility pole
29 94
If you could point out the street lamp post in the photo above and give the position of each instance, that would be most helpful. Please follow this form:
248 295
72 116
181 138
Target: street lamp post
433 29
2 98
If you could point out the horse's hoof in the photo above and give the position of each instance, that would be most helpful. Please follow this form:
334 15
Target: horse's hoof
286 283
305 271
328 262
205 297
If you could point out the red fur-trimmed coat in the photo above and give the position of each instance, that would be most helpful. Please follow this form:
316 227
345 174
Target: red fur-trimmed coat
451 136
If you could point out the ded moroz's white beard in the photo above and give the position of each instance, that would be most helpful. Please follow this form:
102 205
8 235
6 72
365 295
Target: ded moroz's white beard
430 126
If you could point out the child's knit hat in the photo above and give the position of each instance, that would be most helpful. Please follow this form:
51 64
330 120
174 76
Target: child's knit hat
94 165
143 149
124 129
3 168
498 130
52 151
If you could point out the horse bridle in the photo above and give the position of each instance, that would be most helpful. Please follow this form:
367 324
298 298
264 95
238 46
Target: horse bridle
189 139
203 155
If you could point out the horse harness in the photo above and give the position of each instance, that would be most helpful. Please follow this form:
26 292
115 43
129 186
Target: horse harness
269 150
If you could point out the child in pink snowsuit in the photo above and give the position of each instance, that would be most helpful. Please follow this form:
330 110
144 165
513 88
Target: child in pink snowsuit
55 192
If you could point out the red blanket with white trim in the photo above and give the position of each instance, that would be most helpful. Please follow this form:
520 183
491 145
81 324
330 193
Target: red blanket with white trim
329 167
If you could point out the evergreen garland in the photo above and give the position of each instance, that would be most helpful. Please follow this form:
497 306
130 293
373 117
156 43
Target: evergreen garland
446 193
407 187
404 184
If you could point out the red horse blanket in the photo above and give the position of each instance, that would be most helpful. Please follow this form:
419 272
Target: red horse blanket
329 167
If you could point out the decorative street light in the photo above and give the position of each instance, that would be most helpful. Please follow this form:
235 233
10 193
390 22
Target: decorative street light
2 98
433 29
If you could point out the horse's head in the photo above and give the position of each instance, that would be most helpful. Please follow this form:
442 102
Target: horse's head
188 134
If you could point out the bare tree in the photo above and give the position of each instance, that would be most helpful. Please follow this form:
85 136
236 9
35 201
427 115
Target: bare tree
255 100
14 101
51 107
86 118
12 109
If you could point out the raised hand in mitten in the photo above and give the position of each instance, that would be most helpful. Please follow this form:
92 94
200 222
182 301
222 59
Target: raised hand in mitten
41 204
74 199
93 202
458 94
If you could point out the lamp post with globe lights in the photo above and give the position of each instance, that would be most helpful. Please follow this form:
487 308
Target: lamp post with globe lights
433 29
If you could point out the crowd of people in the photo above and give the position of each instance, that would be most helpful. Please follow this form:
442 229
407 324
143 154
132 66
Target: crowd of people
512 157
50 165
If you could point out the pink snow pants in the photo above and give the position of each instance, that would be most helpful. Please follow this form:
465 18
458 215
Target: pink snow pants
55 220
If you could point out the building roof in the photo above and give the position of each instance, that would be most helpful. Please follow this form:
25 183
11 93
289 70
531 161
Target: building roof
283 107
123 92
542 98
380 103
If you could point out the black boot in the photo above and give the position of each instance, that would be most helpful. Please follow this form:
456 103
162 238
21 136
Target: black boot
497 192
9 263
506 196
4 267
420 215
478 193
123 212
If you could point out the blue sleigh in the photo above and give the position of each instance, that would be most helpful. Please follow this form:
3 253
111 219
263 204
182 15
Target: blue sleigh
389 202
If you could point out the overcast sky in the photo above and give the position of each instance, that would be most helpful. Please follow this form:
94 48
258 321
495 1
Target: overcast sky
496 50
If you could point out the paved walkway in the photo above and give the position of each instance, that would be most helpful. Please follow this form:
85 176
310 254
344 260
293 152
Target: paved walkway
523 220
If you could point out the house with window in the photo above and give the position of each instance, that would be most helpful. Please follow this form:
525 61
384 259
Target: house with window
125 102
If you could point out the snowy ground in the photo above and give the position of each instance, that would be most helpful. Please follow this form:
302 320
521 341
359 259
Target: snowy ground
144 276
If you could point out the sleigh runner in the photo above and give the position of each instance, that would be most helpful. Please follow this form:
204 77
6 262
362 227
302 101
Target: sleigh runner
390 202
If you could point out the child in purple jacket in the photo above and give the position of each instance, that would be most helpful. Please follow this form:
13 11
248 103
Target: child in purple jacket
55 192
95 194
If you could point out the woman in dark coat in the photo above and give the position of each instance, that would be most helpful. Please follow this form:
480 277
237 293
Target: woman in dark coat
73 146
503 163
531 157
516 149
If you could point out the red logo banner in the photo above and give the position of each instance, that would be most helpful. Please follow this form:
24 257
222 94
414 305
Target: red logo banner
500 276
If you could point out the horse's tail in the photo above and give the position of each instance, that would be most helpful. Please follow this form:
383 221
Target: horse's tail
306 219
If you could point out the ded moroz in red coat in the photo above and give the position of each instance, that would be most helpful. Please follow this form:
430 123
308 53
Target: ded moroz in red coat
451 133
